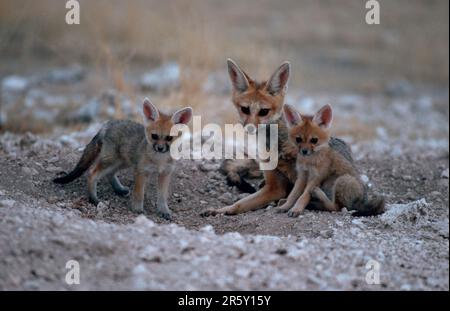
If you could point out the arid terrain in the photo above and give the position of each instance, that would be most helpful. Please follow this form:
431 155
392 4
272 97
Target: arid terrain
388 85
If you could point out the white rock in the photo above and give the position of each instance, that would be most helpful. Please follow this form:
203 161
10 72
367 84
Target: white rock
150 253
162 78
142 220
7 203
414 213
365 179
445 174
208 229
14 84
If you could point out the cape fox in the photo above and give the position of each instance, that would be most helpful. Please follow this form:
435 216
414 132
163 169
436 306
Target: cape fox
122 144
322 172
261 103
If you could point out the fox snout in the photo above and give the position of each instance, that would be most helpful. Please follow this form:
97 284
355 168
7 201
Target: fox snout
305 151
162 148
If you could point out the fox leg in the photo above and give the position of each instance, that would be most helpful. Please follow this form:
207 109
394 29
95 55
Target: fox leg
163 192
274 189
305 198
296 192
347 189
137 197
99 170
117 186
329 205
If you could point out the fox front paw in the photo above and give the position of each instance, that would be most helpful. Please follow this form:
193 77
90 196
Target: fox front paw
282 206
209 212
167 215
228 210
294 212
164 212
137 207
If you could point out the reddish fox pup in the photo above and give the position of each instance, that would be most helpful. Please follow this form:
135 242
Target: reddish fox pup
322 172
122 144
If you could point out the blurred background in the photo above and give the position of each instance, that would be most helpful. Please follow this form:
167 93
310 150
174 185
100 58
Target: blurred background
54 74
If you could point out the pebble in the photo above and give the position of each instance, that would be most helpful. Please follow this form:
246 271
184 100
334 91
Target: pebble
226 198
7 203
29 171
445 174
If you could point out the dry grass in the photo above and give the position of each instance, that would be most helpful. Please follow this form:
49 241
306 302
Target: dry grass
329 44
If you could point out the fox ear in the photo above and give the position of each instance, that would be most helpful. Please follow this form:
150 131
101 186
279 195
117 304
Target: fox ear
324 116
150 111
182 116
279 80
237 76
291 116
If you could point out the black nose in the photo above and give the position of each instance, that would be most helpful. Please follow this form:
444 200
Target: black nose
160 148
305 151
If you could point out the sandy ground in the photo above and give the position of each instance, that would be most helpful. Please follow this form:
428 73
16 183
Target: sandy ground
44 225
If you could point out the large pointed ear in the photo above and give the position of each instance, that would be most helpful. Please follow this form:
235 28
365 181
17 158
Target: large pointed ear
151 113
237 76
182 116
279 80
291 116
324 116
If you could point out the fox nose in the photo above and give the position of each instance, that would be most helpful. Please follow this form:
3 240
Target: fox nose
304 151
160 148
250 128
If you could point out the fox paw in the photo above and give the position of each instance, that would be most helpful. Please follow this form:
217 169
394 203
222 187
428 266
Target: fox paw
93 201
282 207
167 215
293 212
209 212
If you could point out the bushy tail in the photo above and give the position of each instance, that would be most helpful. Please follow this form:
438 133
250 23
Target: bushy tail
89 155
365 207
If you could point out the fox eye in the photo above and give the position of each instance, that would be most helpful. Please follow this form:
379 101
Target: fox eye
314 140
169 138
245 110
155 137
263 112
298 139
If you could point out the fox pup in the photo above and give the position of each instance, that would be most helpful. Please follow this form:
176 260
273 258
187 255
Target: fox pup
122 144
322 172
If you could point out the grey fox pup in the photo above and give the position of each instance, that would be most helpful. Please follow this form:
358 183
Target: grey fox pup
122 144
323 173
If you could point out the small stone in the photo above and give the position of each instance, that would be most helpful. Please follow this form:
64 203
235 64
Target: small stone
29 171
203 202
57 220
7 203
365 179
150 253
207 167
407 178
226 198
445 174
208 229
53 169
142 220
